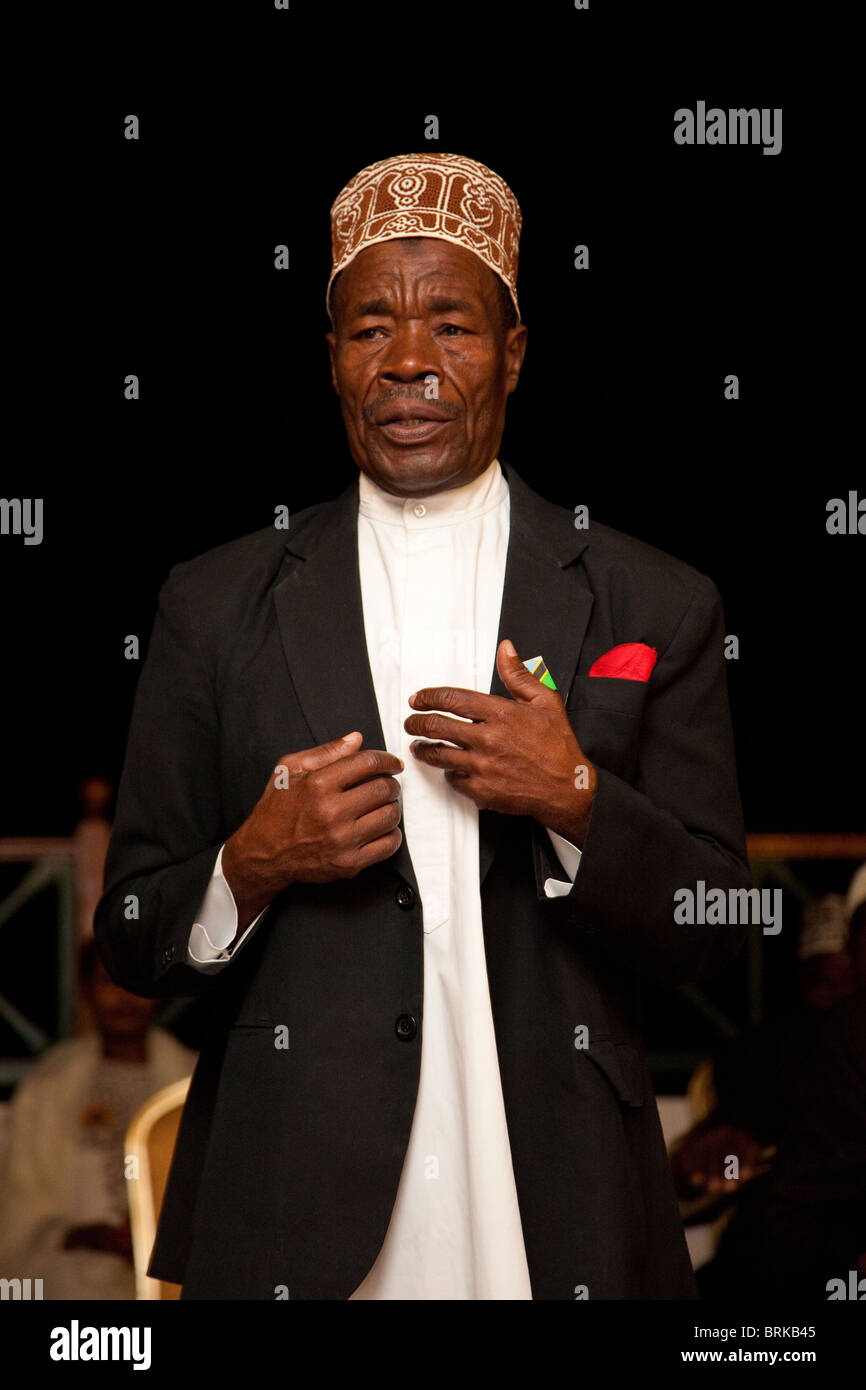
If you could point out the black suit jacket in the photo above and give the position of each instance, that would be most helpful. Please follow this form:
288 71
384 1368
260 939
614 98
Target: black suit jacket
288 1161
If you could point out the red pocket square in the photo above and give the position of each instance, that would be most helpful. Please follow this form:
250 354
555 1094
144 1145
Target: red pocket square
631 661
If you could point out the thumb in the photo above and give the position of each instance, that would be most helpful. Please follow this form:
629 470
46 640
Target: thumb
310 759
514 675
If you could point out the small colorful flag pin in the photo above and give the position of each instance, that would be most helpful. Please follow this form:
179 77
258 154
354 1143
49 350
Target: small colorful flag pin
536 666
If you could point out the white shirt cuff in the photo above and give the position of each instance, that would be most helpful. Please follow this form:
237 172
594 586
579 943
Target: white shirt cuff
216 923
569 857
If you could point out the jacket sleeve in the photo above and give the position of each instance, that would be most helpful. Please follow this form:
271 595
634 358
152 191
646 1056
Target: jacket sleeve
679 822
168 827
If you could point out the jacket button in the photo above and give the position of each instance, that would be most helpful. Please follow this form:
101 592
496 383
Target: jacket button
405 896
168 955
405 1027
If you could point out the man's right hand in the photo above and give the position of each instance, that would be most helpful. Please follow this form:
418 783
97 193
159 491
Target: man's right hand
326 813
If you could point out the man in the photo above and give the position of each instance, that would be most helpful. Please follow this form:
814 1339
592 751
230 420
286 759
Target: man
430 1083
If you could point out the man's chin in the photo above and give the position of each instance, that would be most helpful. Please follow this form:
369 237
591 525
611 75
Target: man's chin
413 471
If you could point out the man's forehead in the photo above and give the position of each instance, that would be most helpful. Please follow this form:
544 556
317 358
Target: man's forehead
428 264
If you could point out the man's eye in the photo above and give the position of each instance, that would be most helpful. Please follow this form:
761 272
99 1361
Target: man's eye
456 328
365 331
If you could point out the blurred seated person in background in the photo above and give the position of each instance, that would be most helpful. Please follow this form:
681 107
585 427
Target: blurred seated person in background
799 1086
754 1077
63 1201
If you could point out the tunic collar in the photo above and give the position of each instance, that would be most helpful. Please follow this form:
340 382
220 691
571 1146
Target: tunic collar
439 509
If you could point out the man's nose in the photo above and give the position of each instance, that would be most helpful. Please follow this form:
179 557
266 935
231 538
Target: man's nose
411 355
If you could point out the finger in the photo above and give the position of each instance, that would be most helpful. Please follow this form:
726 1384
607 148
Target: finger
440 755
440 726
461 782
454 699
378 791
310 759
360 767
518 681
382 821
382 848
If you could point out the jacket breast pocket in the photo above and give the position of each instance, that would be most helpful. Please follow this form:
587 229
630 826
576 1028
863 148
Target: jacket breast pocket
610 693
606 713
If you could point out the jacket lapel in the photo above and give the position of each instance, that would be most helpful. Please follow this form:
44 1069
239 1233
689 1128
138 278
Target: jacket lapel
546 603
545 610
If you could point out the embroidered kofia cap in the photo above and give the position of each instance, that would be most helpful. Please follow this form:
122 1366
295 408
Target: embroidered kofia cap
429 195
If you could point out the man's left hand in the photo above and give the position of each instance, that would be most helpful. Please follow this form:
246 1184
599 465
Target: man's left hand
518 756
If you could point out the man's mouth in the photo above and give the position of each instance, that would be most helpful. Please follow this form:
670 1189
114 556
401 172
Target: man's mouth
409 413
412 429
410 422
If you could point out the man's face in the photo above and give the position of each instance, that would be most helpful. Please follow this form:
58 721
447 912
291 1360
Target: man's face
405 311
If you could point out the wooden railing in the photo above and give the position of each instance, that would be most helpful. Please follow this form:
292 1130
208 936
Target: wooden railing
52 864
803 845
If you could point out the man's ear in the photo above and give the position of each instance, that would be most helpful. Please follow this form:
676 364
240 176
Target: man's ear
515 351
331 339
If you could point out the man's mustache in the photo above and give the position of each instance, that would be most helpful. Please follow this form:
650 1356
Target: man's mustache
403 397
